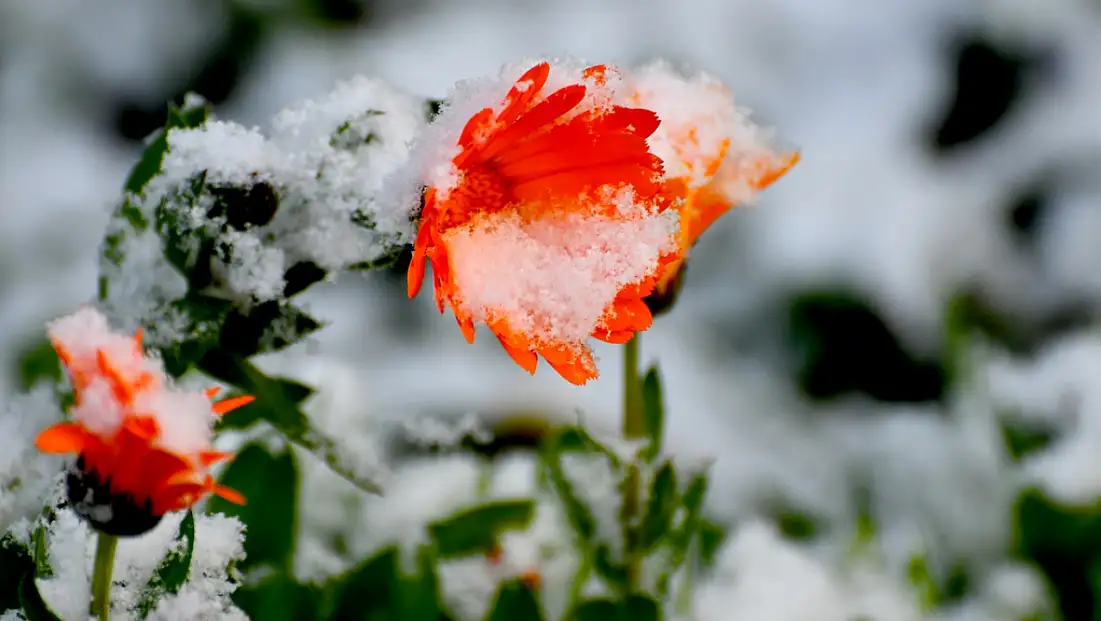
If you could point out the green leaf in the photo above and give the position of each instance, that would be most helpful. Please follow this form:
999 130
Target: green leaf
925 586
633 607
653 413
712 536
173 570
277 402
578 514
662 504
609 568
128 217
188 249
15 562
418 596
31 602
38 362
197 321
150 162
515 601
680 539
477 530
368 591
39 538
270 484
266 327
279 597
1064 542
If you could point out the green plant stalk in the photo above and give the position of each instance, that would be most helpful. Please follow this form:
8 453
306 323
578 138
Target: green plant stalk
633 429
101 576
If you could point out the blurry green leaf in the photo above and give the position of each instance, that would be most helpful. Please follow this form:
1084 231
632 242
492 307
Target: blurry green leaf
279 597
31 602
367 591
15 562
925 587
477 530
633 607
277 402
578 440
173 570
270 485
682 536
42 567
579 515
653 413
515 602
418 596
661 507
795 524
1064 542
1022 440
38 362
610 568
712 537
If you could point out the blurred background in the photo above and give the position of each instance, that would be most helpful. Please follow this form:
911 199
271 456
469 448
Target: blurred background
950 185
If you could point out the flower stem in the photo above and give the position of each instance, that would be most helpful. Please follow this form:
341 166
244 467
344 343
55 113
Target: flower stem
633 428
101 576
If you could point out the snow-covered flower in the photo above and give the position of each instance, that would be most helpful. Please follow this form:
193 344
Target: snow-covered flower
143 447
546 206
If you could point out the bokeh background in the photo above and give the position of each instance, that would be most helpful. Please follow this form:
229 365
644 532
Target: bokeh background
950 185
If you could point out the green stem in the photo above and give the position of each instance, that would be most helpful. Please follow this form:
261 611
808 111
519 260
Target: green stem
101 576
633 428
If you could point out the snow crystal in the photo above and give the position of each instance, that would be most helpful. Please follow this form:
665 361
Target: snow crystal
563 270
12 615
26 475
254 269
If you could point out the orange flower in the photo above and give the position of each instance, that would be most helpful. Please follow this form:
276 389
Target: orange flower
714 157
544 219
545 216
143 448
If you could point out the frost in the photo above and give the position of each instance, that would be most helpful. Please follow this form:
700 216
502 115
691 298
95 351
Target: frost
205 595
245 207
26 475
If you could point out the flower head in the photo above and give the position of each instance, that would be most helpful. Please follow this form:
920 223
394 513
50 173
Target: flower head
546 205
143 447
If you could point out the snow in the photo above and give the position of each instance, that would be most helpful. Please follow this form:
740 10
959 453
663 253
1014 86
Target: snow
205 595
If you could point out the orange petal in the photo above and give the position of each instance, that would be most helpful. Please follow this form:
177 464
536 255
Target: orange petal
526 358
209 458
773 173
62 438
228 494
228 405
144 427
576 368
212 392
138 334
